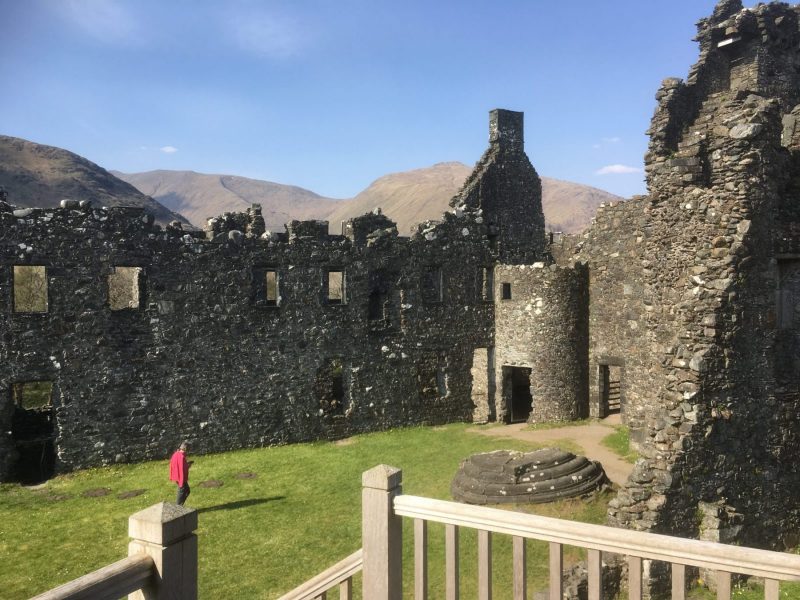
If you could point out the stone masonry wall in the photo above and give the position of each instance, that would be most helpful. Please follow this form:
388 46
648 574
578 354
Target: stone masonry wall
543 326
718 399
242 337
612 249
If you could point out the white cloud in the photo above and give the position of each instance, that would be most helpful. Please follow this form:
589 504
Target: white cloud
105 20
612 140
168 149
265 35
617 170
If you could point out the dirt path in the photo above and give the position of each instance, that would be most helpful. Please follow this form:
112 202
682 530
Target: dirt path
586 436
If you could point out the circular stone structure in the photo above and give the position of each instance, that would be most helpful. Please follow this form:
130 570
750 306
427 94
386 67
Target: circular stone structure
506 476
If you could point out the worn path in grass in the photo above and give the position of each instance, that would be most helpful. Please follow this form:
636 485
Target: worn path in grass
588 436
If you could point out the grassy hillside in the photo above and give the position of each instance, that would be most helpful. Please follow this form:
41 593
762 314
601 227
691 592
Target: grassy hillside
35 175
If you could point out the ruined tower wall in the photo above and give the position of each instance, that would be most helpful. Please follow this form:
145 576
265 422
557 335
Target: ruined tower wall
542 324
722 402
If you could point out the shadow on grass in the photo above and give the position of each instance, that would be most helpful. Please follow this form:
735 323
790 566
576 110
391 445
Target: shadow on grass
240 504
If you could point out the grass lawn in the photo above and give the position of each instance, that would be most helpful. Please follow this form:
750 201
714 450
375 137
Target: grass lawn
258 537
620 443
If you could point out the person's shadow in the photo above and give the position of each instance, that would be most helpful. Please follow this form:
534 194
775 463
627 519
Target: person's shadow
240 504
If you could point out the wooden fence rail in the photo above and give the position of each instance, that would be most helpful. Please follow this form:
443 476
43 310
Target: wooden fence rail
341 575
161 563
113 581
384 506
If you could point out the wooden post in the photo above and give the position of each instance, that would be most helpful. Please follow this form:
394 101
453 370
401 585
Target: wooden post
164 532
381 533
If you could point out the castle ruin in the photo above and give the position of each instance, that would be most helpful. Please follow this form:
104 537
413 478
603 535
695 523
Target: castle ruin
681 307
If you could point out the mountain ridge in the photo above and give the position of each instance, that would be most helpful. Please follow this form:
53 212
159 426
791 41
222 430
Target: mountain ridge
406 197
39 175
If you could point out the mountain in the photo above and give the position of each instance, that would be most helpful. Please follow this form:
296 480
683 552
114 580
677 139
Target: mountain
198 196
414 196
35 175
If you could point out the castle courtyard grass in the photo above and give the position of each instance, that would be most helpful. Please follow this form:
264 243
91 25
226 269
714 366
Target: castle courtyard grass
260 535
280 516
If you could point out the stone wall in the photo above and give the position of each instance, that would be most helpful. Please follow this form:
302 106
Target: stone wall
716 403
613 251
237 337
541 324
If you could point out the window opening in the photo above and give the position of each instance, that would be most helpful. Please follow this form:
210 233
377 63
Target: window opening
336 290
441 376
506 291
375 308
787 343
30 289
33 431
432 284
124 288
271 287
487 284
265 290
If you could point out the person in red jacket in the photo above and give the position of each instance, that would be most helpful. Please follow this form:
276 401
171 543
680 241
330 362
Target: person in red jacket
179 472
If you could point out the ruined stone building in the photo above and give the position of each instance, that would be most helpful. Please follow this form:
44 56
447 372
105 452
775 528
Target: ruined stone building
680 308
695 292
119 339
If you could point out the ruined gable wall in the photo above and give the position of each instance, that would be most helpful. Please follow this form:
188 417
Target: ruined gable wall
719 423
506 188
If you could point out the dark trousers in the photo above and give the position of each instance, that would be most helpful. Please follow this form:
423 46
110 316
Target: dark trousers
183 493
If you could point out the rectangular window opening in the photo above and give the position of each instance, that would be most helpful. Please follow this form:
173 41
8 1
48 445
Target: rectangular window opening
432 285
33 395
30 289
487 284
124 288
506 291
271 288
336 287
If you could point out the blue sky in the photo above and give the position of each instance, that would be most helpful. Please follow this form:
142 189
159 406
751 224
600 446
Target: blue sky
330 95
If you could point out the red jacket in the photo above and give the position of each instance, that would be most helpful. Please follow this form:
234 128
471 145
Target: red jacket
179 468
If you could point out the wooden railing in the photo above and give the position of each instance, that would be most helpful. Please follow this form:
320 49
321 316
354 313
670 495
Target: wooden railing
384 506
341 575
113 581
161 562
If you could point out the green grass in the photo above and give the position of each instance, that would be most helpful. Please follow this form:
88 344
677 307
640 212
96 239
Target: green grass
259 537
559 424
620 442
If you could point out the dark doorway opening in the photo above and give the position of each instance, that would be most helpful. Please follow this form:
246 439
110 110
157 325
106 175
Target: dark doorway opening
331 388
610 389
518 380
33 431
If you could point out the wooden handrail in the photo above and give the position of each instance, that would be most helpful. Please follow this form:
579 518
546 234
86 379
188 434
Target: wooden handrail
108 583
709 555
328 579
